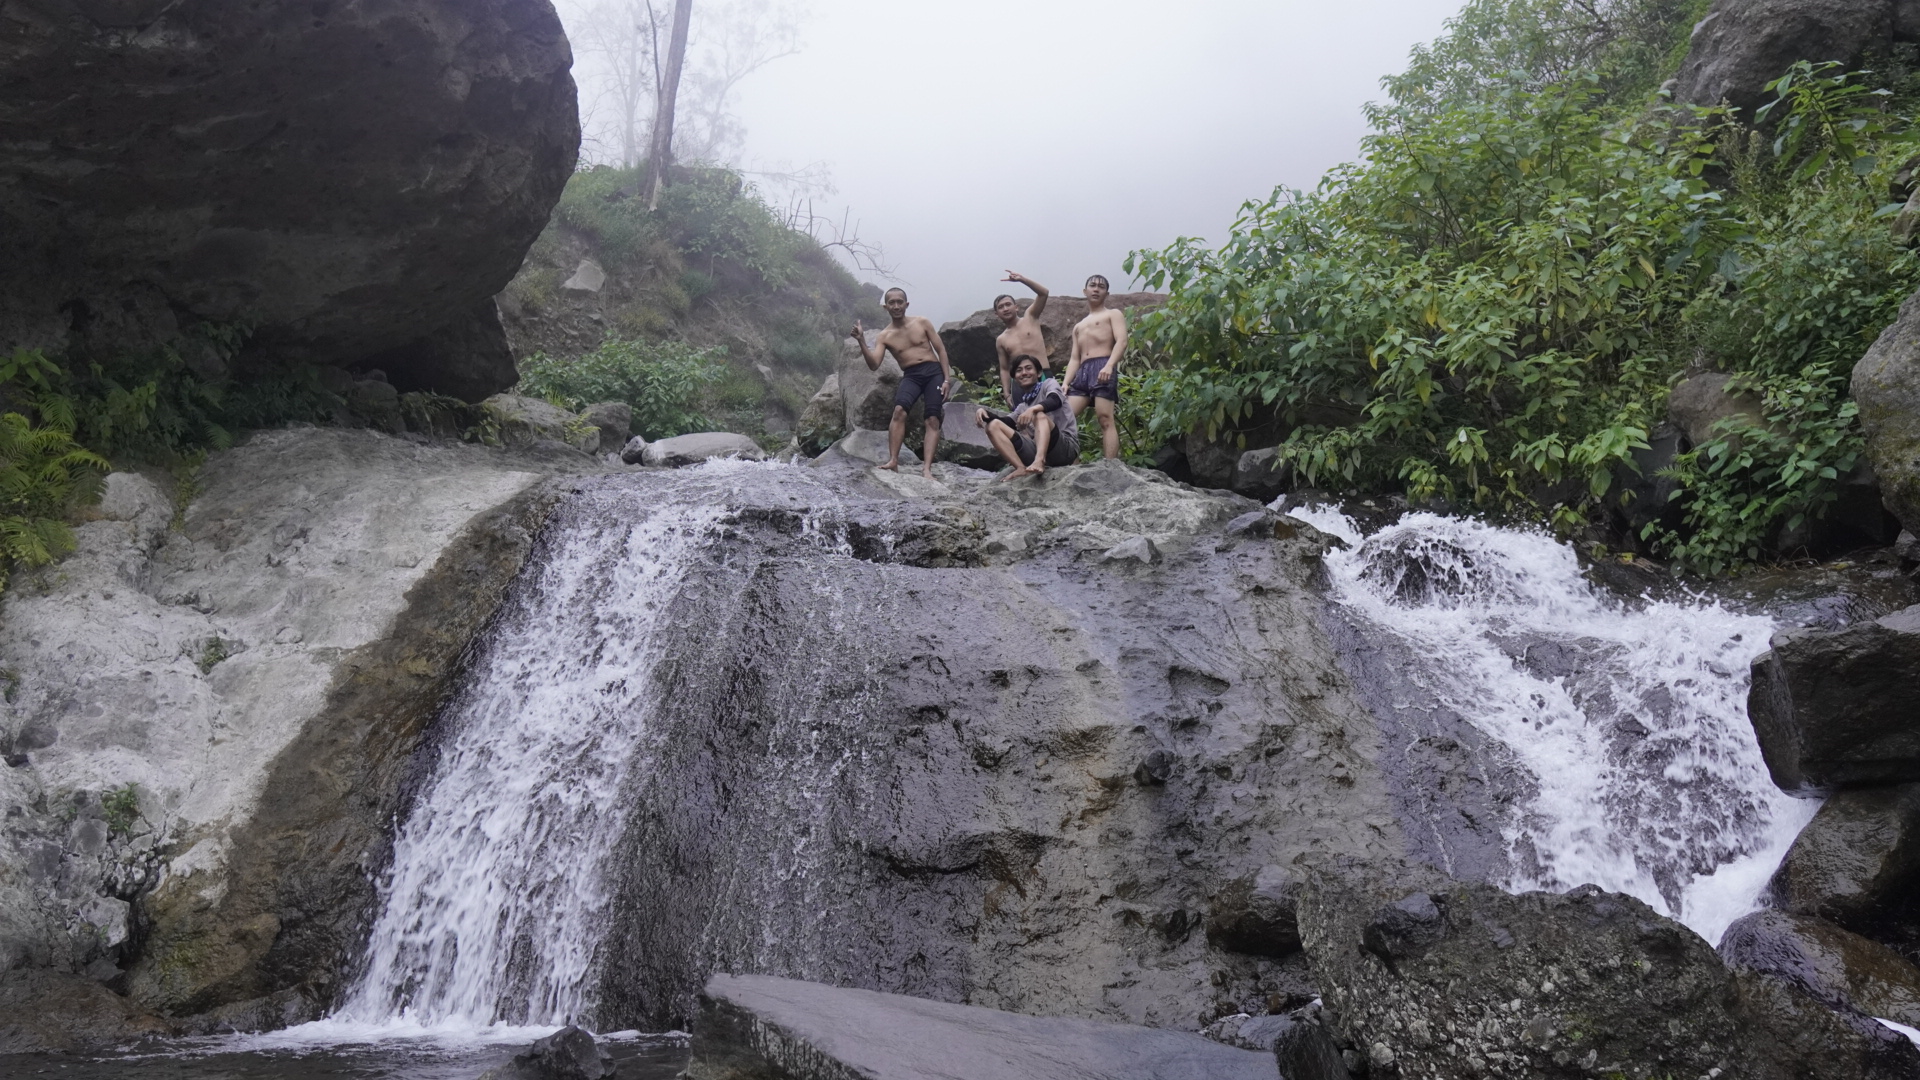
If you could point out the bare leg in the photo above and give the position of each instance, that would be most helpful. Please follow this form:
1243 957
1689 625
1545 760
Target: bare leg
1109 431
1042 438
929 444
1001 436
896 434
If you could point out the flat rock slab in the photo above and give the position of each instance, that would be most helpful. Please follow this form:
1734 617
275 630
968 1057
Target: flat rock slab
761 1027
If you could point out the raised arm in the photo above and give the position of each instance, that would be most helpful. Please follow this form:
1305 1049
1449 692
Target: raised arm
872 358
1040 293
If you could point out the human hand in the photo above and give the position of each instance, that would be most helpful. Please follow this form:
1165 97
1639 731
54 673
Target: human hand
1105 376
1015 276
979 418
859 332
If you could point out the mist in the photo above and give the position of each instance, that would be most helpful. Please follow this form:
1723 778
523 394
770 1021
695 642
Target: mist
1052 138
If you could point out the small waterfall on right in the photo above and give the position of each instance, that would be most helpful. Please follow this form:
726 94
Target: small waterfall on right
1629 719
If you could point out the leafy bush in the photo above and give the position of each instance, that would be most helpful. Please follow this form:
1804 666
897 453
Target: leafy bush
710 219
43 471
1492 306
661 380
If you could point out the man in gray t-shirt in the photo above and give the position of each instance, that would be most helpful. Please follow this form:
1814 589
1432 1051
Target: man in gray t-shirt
1041 430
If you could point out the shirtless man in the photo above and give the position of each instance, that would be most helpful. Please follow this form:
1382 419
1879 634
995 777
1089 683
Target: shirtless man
1022 337
1093 369
925 374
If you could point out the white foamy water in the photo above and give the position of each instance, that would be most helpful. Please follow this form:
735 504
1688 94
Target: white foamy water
1632 720
494 909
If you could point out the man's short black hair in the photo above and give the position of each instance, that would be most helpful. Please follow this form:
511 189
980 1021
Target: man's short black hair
1003 296
1027 358
1101 278
895 289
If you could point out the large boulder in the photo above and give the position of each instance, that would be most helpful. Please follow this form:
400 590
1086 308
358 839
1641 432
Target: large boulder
1440 978
352 181
522 422
752 1027
1698 404
1886 386
970 340
1742 45
1857 863
824 420
568 1054
1855 977
867 393
614 421
1835 708
701 446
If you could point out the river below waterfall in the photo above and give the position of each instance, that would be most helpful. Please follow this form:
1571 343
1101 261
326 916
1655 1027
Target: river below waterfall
267 1057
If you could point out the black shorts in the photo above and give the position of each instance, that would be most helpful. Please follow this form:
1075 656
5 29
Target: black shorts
1087 384
923 381
1061 449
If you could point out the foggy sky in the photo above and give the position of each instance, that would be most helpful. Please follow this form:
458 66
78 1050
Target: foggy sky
1053 136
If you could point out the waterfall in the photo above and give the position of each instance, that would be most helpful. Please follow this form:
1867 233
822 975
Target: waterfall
1630 718
493 909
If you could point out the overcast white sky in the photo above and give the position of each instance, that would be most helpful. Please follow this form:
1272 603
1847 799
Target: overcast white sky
1054 136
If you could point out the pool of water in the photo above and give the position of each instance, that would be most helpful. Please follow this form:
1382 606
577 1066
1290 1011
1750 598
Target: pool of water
245 1058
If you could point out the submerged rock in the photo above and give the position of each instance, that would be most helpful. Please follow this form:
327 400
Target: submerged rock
567 1054
1835 709
354 182
1856 978
751 1027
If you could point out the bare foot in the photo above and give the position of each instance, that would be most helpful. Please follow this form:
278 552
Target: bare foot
927 471
1037 468
1017 474
891 466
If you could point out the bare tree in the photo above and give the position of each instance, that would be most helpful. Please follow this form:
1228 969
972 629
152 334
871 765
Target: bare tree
619 36
660 155
733 41
841 233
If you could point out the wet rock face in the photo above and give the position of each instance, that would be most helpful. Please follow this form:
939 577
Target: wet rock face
1466 980
214 712
1021 783
1886 384
354 181
1744 44
1857 978
1834 709
1857 864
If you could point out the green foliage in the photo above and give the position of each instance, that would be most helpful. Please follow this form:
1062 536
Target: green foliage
661 380
44 473
1628 46
121 808
212 652
1491 307
710 219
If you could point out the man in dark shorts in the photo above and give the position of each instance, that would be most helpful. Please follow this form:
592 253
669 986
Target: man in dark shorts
1093 369
1041 430
925 374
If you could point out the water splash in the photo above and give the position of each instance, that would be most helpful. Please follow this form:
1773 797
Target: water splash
492 912
1632 719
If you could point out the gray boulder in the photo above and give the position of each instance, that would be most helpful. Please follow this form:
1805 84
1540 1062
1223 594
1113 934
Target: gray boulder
1886 385
1858 979
1836 708
1261 475
867 393
824 420
567 1054
614 419
752 1027
702 446
1453 979
1211 464
1257 915
1700 402
186 165
1744 44
1857 864
376 404
522 422
963 443
970 341
635 452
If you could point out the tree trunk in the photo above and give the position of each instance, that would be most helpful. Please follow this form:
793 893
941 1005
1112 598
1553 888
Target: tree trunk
661 155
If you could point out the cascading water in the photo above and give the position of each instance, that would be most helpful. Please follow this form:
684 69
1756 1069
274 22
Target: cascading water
494 905
1648 780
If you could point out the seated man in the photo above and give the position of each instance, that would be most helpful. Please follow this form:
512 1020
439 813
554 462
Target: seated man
1040 431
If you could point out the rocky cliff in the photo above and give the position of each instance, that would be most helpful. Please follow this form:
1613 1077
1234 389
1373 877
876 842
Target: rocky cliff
209 712
352 182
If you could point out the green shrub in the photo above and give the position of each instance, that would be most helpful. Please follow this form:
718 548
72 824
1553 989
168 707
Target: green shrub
662 380
1492 306
121 808
44 473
